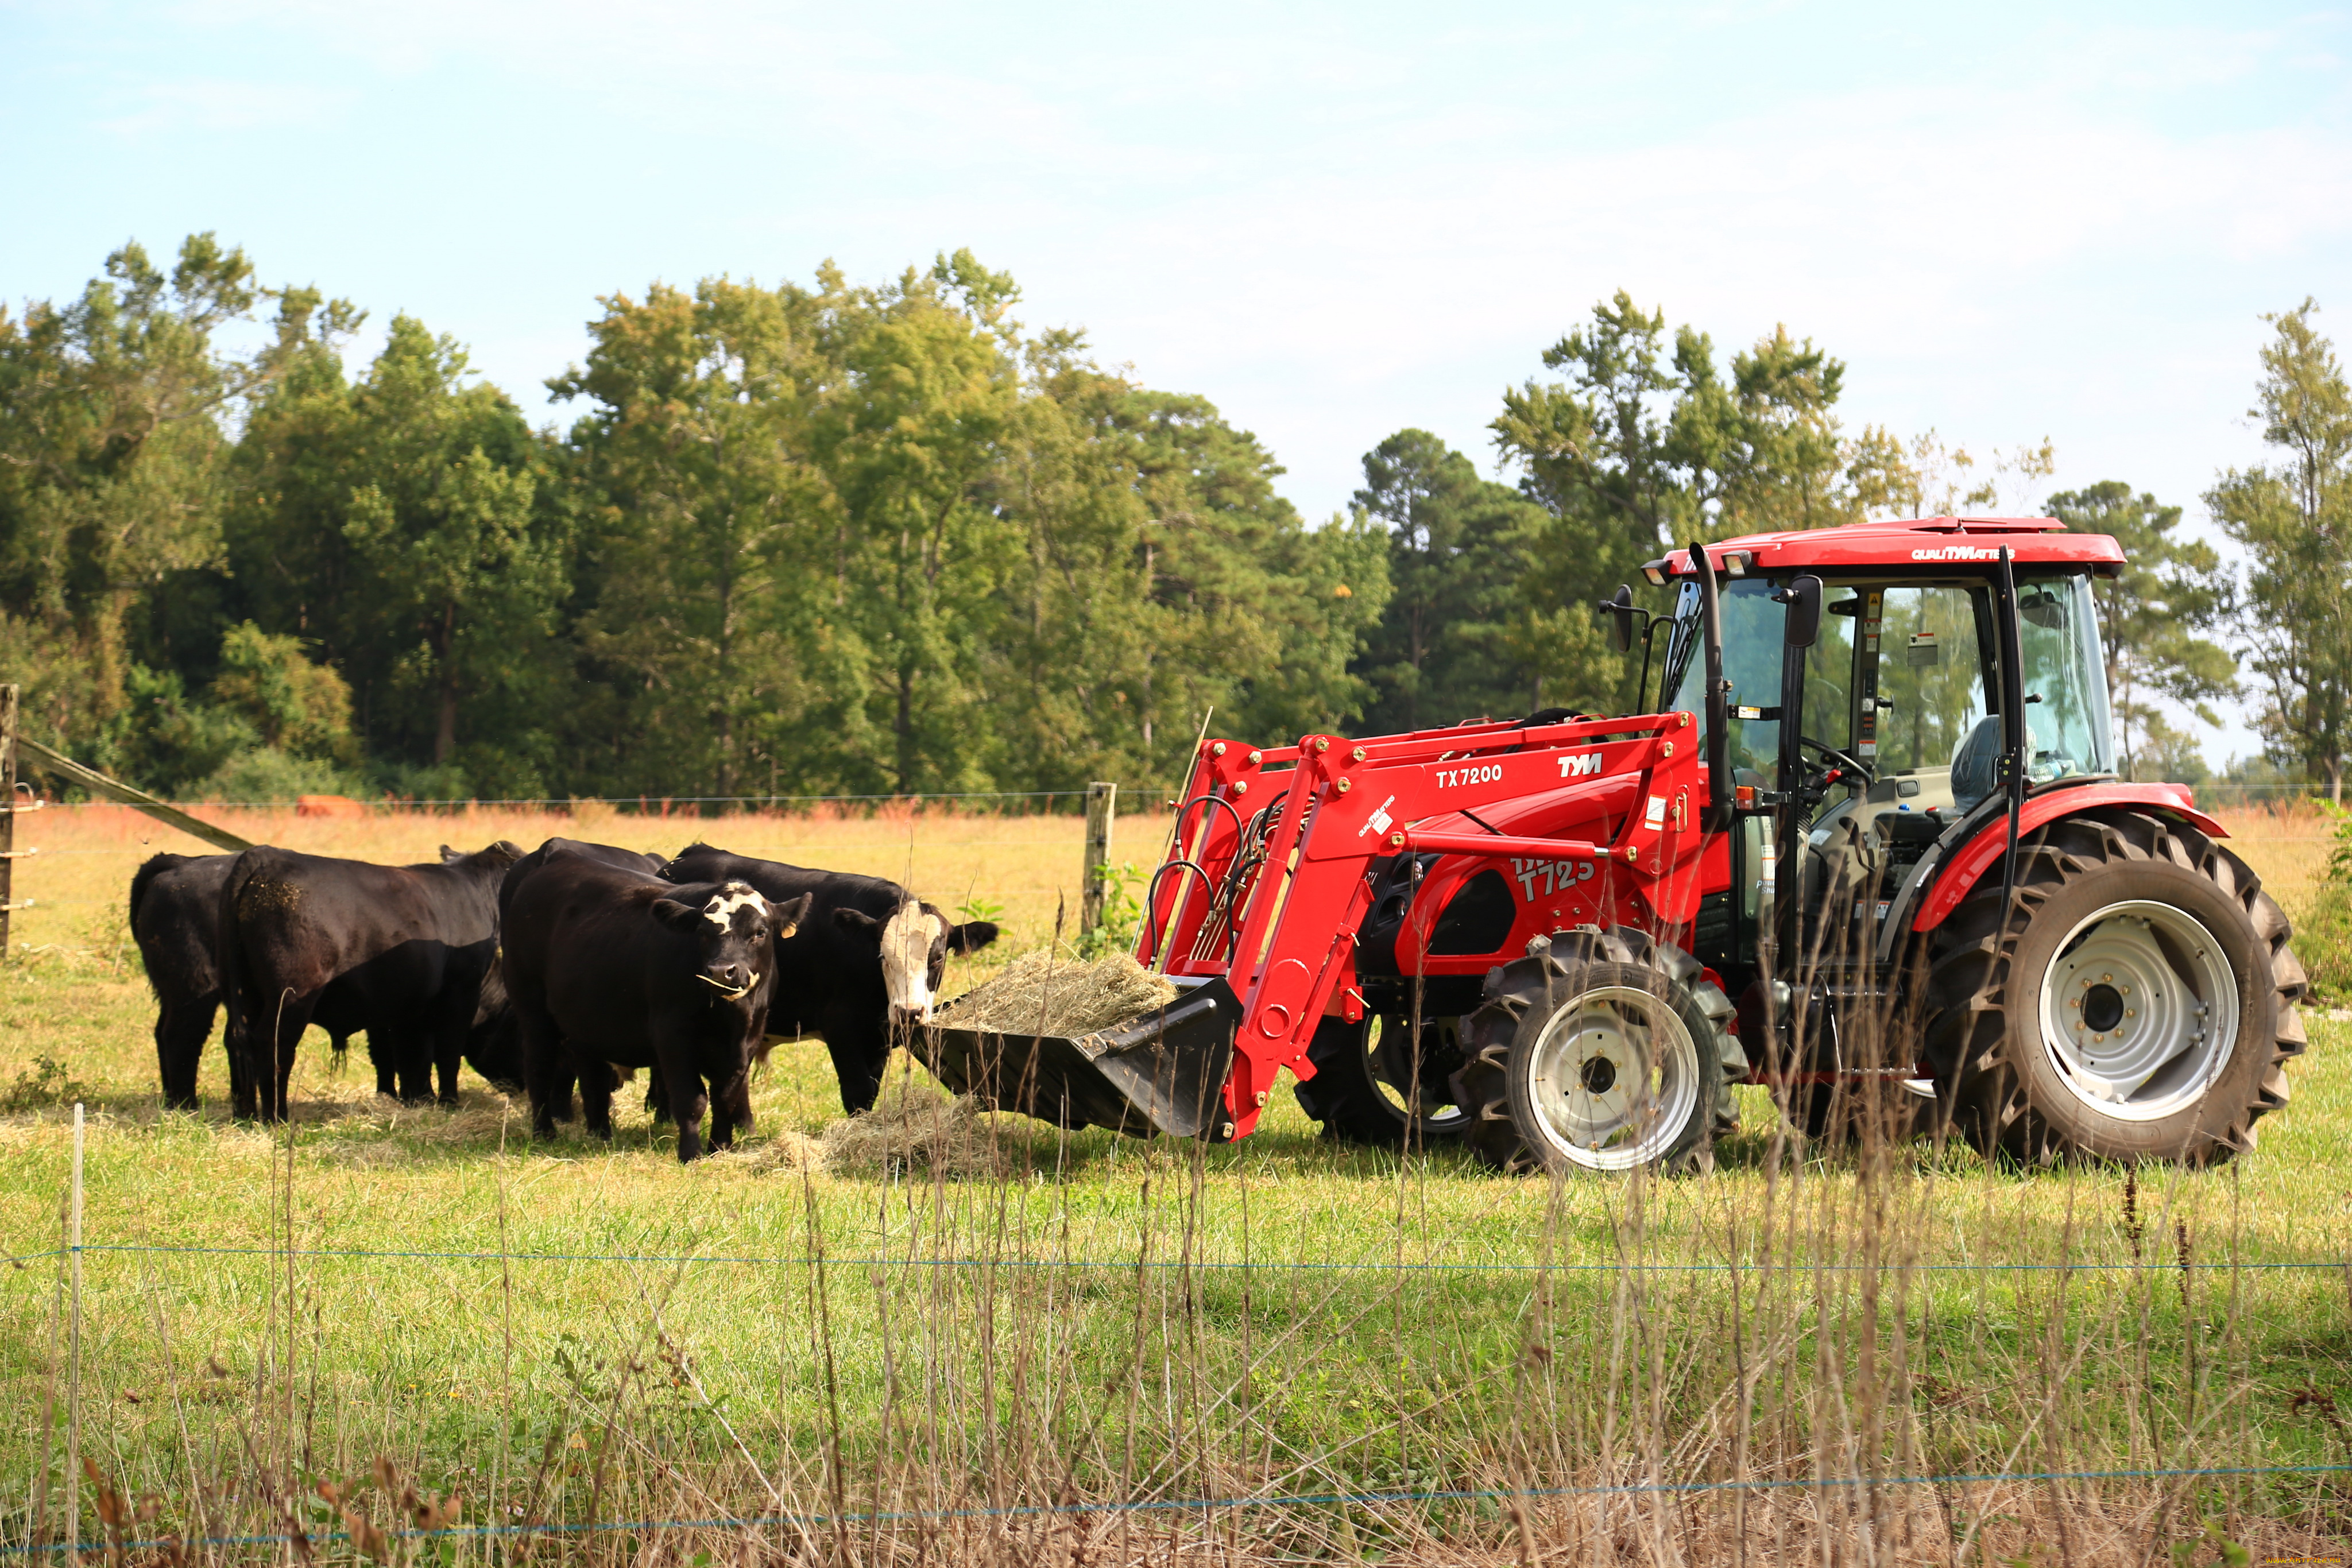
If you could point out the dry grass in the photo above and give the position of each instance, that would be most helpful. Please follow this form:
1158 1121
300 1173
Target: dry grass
914 1346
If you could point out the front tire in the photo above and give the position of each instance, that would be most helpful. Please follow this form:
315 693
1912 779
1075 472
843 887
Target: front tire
1364 1091
2137 1001
1608 1050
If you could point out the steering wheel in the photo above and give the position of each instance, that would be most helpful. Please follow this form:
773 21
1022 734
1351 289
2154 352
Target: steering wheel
1845 760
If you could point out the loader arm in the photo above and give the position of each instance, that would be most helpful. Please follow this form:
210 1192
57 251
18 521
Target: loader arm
1267 883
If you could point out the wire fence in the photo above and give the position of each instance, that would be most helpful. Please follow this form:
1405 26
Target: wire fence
656 804
1201 1505
1629 1266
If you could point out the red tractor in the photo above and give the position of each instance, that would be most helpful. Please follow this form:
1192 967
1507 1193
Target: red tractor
1875 804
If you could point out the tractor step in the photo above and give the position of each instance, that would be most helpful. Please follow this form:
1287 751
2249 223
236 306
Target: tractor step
1164 1071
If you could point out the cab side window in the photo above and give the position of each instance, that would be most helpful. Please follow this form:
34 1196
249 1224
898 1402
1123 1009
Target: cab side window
1931 670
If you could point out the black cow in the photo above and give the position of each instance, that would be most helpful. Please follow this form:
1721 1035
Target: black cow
175 920
869 959
558 1089
175 917
610 966
406 952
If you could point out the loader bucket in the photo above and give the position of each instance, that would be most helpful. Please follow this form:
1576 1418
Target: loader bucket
1164 1071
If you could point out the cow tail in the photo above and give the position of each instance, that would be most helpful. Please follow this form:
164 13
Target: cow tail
154 866
145 875
228 952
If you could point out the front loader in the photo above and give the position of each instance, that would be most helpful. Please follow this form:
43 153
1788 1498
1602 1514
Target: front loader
1869 847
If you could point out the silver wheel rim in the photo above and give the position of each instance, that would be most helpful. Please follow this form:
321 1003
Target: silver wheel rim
2140 1011
1615 1079
1441 1116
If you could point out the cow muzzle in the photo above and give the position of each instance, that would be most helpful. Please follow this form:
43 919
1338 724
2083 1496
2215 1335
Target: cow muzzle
903 1017
734 982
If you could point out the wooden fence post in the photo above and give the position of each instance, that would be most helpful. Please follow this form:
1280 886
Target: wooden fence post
8 812
1102 802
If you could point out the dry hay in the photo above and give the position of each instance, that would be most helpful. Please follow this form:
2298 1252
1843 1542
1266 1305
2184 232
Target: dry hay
912 1125
786 1150
1041 993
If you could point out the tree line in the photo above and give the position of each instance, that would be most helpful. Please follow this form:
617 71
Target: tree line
884 538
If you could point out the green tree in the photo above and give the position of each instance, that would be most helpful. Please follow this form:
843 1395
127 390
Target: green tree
703 534
111 443
1645 443
399 522
2294 522
292 703
1457 547
910 433
2171 590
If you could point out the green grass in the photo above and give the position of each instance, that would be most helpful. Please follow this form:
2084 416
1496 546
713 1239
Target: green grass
1143 1321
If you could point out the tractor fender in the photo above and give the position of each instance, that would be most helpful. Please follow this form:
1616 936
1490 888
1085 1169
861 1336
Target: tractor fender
1982 852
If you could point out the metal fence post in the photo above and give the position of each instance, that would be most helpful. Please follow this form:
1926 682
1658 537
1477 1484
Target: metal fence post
1102 803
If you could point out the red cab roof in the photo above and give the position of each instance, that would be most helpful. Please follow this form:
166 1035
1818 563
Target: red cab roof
1912 544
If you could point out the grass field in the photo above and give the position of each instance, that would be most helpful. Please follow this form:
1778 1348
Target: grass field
1062 1359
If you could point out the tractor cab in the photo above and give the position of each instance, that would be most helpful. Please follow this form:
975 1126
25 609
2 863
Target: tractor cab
1894 670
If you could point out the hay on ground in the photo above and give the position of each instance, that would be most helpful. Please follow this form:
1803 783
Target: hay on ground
912 1125
1042 993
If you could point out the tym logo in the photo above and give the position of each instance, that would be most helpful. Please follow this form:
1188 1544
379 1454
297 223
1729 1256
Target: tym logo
1578 766
1558 876
1957 552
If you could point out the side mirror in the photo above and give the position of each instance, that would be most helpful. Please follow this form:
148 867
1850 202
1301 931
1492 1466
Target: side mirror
1621 614
1803 597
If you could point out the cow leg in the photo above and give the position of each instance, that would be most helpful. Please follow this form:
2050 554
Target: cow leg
290 1021
546 1066
404 1056
734 1101
597 1098
731 1108
657 1095
182 1027
860 1048
384 1055
687 1100
449 1042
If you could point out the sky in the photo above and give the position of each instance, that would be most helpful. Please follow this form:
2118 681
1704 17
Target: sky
2011 222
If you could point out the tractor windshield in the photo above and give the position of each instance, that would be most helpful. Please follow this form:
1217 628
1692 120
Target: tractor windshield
1752 639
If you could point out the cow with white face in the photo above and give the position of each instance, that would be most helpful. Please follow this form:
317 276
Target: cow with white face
864 968
913 945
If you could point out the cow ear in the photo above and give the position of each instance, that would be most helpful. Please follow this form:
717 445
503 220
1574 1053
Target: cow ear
971 937
678 916
858 920
789 917
450 856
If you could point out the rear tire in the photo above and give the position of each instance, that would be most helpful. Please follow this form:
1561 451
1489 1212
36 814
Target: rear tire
2137 1002
1608 1050
1360 1067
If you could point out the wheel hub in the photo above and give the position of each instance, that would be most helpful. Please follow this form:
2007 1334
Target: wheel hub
2140 1011
1615 1078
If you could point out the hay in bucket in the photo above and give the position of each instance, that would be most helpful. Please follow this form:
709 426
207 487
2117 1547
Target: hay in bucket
1039 993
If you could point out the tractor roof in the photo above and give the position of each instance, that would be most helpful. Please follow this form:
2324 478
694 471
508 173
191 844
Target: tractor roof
1913 543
